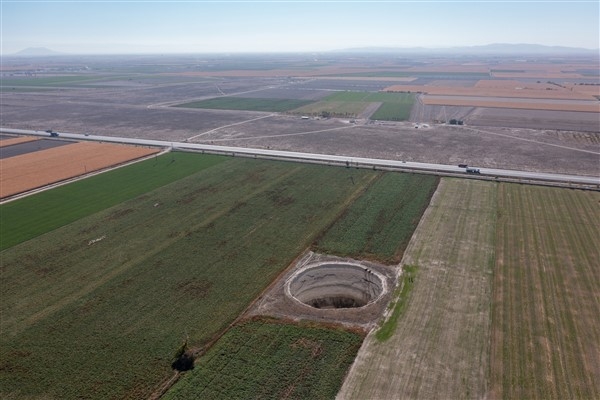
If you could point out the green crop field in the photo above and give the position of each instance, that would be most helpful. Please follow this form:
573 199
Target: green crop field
249 104
264 359
546 300
380 223
393 107
34 215
393 111
377 97
96 308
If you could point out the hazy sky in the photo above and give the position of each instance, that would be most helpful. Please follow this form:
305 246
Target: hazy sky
101 26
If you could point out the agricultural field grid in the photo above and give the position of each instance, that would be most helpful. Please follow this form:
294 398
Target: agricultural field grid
143 271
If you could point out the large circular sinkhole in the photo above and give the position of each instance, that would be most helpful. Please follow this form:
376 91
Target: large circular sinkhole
332 285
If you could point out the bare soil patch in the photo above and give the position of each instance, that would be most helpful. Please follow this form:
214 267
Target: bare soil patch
496 102
16 140
31 146
495 89
318 296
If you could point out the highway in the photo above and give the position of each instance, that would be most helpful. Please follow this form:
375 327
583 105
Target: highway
592 182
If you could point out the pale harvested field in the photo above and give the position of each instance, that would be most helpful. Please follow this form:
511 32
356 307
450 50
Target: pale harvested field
451 66
497 89
440 347
546 300
465 101
592 90
308 72
33 170
17 140
537 75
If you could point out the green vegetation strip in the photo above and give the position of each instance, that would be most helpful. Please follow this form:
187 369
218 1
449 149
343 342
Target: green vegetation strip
271 360
34 215
249 104
383 97
380 223
407 281
97 308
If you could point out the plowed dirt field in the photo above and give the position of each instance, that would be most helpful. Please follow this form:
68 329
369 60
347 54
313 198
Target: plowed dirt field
17 140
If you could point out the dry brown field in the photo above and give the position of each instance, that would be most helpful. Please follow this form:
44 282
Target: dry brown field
592 90
440 346
37 169
451 67
308 72
546 298
465 101
529 69
17 140
537 75
495 89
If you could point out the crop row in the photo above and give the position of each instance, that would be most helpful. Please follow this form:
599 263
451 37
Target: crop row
545 332
270 359
34 215
97 307
381 222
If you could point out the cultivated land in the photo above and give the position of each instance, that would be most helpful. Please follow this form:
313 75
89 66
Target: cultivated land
270 359
546 299
39 168
440 345
9 141
510 265
379 224
98 307
114 96
124 286
65 204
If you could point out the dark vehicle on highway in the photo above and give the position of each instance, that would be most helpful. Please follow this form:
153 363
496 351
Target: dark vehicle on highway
462 165
471 170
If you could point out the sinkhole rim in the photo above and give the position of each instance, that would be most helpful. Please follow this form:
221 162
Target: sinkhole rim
336 285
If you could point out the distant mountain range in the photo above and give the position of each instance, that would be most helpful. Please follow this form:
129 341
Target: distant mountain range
490 49
36 52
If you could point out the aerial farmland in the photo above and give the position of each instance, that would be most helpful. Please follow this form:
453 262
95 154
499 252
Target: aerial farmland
147 272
